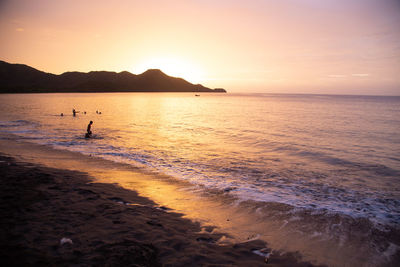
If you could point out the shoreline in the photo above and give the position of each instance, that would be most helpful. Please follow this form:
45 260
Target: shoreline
106 223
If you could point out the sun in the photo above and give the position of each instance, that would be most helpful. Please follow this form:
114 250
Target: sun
173 67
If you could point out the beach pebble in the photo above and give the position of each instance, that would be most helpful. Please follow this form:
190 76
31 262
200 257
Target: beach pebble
265 252
65 240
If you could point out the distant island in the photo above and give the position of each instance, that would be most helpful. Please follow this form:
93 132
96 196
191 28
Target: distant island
19 78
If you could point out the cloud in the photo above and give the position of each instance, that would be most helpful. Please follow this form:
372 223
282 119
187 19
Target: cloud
20 29
336 76
340 76
360 74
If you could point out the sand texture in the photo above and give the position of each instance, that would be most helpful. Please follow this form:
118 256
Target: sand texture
54 217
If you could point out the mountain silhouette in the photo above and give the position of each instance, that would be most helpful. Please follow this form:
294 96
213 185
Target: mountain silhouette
19 78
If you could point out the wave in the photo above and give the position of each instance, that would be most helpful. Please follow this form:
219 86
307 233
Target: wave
327 233
16 123
249 181
273 179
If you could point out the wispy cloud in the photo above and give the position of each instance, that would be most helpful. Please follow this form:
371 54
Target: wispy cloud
360 74
337 76
20 29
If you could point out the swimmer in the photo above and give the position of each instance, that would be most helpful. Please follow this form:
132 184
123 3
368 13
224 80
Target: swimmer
89 130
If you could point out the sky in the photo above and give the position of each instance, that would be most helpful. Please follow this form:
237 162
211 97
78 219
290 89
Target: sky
281 46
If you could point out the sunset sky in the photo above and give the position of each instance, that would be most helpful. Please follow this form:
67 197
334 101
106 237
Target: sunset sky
290 46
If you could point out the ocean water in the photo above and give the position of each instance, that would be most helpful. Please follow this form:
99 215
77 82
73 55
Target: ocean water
325 166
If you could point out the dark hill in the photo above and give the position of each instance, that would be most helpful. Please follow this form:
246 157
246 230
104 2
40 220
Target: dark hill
18 78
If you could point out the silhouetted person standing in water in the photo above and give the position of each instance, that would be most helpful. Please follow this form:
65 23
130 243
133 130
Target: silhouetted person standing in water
89 130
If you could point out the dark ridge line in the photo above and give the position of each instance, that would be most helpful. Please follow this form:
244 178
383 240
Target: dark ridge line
19 78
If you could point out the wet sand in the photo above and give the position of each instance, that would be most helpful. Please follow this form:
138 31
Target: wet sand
103 225
59 217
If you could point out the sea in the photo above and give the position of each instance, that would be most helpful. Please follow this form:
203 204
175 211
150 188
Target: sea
327 167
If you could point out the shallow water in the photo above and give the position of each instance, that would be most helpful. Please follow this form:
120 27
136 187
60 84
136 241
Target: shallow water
324 167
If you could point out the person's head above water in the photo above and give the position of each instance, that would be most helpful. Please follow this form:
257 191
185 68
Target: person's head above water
91 122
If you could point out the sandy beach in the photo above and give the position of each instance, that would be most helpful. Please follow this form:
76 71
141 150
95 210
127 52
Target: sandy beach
200 133
61 217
